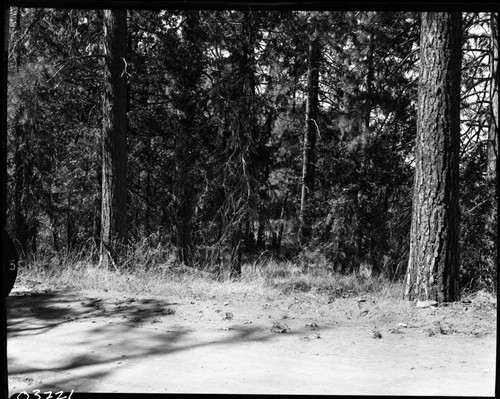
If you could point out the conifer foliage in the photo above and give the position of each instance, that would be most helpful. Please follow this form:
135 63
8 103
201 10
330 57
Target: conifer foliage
225 135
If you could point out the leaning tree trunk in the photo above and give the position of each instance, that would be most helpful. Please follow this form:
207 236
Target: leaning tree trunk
114 138
433 263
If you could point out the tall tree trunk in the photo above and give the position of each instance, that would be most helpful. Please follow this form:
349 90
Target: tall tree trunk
186 140
433 263
493 128
23 168
244 136
309 144
492 225
363 229
114 139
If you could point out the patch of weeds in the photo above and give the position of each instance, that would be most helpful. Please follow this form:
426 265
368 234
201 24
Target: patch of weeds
295 284
279 270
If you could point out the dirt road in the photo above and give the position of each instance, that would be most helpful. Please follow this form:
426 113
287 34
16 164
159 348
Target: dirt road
111 342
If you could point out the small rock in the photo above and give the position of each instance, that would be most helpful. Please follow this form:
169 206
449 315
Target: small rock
442 331
228 316
377 334
310 337
280 328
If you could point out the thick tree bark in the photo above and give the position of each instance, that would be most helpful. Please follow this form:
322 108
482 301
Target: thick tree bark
309 142
433 263
114 139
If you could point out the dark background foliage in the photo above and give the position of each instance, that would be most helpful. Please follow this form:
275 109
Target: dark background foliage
216 121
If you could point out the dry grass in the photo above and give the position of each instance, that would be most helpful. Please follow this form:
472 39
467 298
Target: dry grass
155 271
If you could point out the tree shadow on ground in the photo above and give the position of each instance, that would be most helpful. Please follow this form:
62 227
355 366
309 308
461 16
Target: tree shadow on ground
38 312
124 330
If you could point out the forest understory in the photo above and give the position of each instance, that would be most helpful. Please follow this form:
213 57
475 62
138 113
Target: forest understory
250 143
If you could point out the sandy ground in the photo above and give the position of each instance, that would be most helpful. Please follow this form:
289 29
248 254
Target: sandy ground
110 342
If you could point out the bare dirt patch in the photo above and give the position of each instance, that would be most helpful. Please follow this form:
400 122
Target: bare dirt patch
93 341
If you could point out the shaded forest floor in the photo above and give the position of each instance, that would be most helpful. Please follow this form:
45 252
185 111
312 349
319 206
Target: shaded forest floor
232 339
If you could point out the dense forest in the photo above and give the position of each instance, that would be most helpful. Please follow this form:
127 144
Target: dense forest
226 137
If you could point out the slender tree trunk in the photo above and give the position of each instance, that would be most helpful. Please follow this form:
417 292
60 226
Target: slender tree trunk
97 205
493 128
363 230
147 212
70 225
309 145
243 126
19 217
433 263
114 139
23 167
24 206
185 210
185 191
185 141
492 226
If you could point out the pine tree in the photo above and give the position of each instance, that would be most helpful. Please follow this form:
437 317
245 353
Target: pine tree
433 263
114 139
